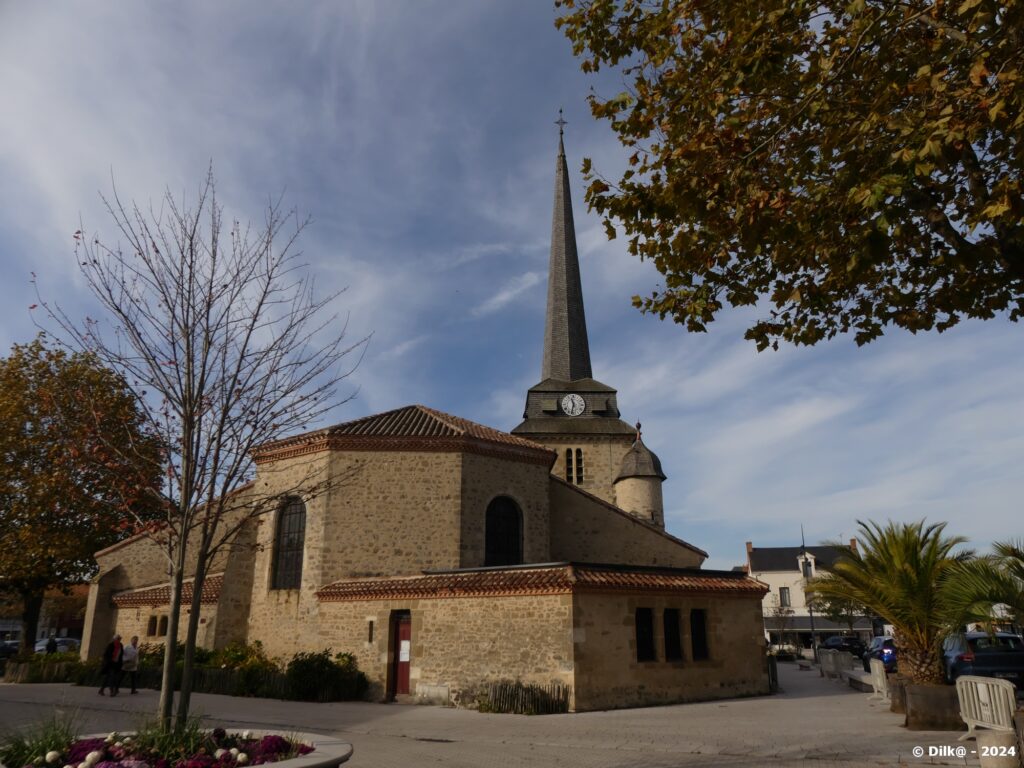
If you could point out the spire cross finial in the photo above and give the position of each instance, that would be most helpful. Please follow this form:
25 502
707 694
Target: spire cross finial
560 122
638 431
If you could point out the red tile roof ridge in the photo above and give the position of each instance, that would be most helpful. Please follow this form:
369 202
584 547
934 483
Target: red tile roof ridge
544 578
632 518
160 594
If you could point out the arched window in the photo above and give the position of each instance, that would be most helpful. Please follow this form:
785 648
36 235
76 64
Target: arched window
288 545
504 533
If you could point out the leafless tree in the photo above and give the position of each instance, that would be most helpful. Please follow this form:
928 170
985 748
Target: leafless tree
220 333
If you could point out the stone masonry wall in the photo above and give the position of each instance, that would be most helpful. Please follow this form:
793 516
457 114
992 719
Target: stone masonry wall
460 644
483 479
608 674
135 621
583 530
278 616
390 513
602 459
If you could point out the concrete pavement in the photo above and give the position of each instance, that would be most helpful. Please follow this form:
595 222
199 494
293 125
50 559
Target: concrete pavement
813 722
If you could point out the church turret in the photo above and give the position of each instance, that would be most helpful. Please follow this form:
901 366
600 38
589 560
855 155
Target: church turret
569 411
638 484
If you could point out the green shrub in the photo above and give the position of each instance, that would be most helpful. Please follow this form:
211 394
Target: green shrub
320 677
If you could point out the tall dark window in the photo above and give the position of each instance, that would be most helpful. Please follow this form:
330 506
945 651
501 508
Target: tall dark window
784 597
162 629
579 466
503 537
151 627
568 465
699 633
289 544
673 643
644 634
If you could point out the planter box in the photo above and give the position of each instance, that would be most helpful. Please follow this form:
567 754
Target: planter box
933 708
328 751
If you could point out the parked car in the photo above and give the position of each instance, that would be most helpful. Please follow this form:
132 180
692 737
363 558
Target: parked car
9 648
64 644
884 648
845 643
978 653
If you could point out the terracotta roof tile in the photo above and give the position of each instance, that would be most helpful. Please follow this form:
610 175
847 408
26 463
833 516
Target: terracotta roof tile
161 594
561 578
414 427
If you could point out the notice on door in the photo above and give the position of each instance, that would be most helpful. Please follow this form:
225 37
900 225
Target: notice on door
403 650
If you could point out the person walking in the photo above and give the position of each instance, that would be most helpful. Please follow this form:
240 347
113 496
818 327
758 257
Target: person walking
51 645
131 662
113 658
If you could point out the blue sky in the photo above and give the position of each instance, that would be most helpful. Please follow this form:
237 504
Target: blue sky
419 137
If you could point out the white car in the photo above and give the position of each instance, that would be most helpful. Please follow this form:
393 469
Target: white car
64 644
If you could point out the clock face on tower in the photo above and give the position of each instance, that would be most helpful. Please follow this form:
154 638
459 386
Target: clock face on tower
572 405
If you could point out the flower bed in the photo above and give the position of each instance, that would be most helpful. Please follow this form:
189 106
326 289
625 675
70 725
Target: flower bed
149 748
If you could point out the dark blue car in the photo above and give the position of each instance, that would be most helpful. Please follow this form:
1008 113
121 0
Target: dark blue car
884 648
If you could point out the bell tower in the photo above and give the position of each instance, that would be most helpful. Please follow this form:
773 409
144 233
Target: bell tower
568 410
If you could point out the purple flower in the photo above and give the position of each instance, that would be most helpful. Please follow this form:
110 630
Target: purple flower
305 749
108 764
274 745
78 750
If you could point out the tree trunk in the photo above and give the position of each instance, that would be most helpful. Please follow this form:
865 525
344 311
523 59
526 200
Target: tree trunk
923 667
32 606
185 695
166 706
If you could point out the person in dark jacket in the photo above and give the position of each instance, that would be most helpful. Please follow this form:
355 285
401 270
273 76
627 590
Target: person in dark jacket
113 658
51 645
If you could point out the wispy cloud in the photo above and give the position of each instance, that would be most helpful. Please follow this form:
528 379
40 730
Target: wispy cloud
508 292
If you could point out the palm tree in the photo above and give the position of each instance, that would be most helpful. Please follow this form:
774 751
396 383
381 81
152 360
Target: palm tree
903 572
982 590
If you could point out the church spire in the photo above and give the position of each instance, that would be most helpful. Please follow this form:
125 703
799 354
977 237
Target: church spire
566 351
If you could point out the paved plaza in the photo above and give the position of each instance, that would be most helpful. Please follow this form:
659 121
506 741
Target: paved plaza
813 722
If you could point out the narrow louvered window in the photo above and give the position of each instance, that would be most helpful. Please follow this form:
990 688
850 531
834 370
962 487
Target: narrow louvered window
579 466
673 644
568 465
289 545
699 633
644 634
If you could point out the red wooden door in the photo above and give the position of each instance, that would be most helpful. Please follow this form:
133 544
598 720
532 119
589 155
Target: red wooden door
403 652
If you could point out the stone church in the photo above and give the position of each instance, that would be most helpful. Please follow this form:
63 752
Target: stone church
458 554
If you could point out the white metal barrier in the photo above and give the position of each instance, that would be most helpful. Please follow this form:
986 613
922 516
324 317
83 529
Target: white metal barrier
986 702
827 659
879 681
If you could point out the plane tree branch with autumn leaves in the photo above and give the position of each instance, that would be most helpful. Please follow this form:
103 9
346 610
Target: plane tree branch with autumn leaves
845 166
78 471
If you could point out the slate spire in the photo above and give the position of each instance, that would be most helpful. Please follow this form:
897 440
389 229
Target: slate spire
566 350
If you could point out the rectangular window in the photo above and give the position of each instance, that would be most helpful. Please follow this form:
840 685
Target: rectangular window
673 642
369 634
699 633
784 597
579 466
644 634
568 465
